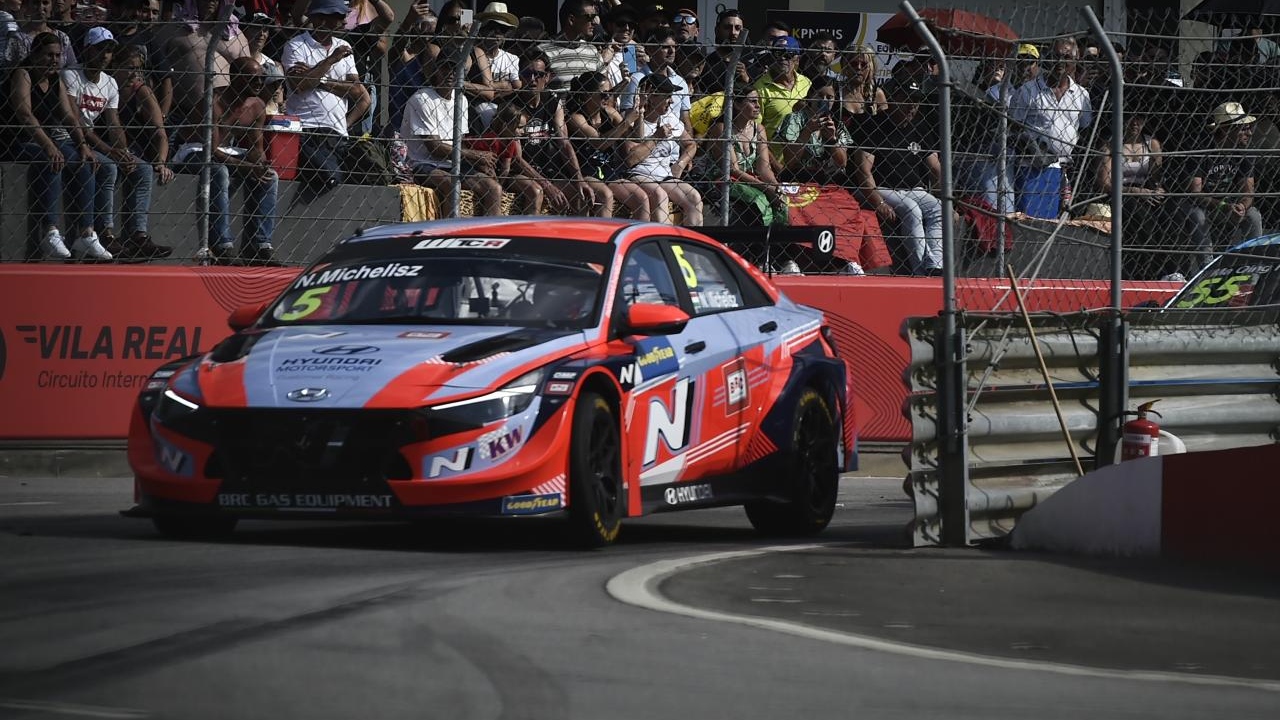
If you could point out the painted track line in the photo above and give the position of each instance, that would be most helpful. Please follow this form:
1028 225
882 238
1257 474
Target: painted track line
639 587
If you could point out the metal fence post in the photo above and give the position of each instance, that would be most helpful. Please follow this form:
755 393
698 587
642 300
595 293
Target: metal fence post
459 75
1002 170
954 460
726 167
206 155
1113 386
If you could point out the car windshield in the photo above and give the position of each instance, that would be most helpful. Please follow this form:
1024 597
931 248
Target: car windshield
443 290
1244 277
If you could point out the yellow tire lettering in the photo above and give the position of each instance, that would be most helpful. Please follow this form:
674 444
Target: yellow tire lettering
306 304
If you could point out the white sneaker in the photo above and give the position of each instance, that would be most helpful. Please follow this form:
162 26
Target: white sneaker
854 268
89 246
1175 277
53 247
789 268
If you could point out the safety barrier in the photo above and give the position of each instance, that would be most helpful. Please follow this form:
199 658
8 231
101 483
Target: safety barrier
71 358
1217 379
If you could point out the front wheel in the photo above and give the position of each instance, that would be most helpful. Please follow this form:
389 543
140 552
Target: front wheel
811 471
595 473
194 527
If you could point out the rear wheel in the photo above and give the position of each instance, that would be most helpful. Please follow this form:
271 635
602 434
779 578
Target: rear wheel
595 473
812 474
194 527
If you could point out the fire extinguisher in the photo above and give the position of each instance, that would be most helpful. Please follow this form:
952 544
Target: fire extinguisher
1141 437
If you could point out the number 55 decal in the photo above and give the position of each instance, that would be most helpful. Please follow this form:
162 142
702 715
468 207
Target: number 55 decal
306 304
1215 290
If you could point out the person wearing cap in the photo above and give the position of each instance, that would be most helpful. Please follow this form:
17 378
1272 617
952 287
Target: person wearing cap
685 23
661 51
661 151
716 71
427 128
759 61
496 24
652 17
325 91
1026 67
33 17
258 32
1050 112
621 27
1222 183
364 28
782 85
572 52
895 164
96 95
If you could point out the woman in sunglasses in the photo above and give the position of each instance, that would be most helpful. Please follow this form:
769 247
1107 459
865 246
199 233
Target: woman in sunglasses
753 187
596 131
860 92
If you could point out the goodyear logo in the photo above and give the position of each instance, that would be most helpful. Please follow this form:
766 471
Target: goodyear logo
530 504
654 358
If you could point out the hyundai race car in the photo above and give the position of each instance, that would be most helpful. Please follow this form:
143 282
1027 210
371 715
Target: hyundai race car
595 368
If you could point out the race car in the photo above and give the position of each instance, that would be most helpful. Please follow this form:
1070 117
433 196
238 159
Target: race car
598 369
1243 276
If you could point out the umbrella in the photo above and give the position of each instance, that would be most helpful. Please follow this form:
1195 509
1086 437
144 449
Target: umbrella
1236 13
961 32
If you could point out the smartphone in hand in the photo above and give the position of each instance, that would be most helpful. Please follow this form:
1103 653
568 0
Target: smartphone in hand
629 57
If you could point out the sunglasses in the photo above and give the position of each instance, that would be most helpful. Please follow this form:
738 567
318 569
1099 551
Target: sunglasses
626 25
590 16
784 54
535 74
684 20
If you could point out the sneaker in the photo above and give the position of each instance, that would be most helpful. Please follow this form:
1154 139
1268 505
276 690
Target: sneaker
789 268
854 268
90 248
140 247
53 247
1175 277
223 253
257 254
109 241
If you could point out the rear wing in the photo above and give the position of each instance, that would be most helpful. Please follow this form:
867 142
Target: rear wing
764 239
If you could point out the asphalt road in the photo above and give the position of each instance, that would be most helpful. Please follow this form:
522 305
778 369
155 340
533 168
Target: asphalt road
99 617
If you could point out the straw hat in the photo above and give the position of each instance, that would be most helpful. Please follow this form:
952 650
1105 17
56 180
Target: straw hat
496 12
1231 113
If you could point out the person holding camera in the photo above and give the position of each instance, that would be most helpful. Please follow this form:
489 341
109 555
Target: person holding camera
815 145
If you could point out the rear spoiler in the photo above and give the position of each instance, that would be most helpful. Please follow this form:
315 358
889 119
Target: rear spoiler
821 239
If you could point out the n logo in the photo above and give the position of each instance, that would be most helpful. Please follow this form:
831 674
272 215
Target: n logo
461 461
671 426
173 459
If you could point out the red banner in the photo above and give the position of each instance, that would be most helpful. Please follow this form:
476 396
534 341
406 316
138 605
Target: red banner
77 342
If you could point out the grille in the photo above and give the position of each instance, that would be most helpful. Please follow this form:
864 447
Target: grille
288 450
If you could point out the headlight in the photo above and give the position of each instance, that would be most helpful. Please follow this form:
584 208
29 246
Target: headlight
511 399
174 408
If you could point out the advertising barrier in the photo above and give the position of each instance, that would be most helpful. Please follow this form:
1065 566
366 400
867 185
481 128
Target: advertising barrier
77 342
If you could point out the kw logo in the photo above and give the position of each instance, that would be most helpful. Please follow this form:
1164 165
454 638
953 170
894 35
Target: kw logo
461 461
671 426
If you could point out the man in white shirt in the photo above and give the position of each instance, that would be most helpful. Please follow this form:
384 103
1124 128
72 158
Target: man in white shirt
661 49
504 67
427 128
95 96
1051 110
324 91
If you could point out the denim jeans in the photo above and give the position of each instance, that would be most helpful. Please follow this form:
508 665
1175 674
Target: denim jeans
259 206
46 186
1207 226
104 193
320 153
980 177
919 225
137 197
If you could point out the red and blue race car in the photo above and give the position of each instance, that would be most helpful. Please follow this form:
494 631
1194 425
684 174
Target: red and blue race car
597 368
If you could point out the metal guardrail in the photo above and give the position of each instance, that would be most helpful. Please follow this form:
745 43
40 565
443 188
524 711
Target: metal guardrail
1218 384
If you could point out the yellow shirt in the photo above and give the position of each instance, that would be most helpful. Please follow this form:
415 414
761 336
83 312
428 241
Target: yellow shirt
776 102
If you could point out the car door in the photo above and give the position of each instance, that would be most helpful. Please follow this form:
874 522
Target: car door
672 380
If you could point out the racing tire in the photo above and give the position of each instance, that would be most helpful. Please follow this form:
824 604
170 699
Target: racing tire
812 471
595 473
188 527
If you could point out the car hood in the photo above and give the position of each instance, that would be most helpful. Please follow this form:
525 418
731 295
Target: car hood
373 366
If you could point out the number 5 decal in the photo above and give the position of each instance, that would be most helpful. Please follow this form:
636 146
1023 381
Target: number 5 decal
306 304
686 267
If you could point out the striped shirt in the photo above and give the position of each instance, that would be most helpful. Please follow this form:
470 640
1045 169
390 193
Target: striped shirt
567 59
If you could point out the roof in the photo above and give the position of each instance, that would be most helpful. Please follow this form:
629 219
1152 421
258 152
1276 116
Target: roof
589 229
1263 241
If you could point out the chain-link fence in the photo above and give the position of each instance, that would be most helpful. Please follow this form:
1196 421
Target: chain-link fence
212 136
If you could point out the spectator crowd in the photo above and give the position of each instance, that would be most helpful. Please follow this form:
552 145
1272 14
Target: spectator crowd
621 111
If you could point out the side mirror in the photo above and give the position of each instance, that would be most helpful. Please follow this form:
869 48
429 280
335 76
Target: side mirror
654 319
245 316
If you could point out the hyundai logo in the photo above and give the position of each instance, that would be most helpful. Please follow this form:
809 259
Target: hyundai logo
346 350
308 394
826 242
